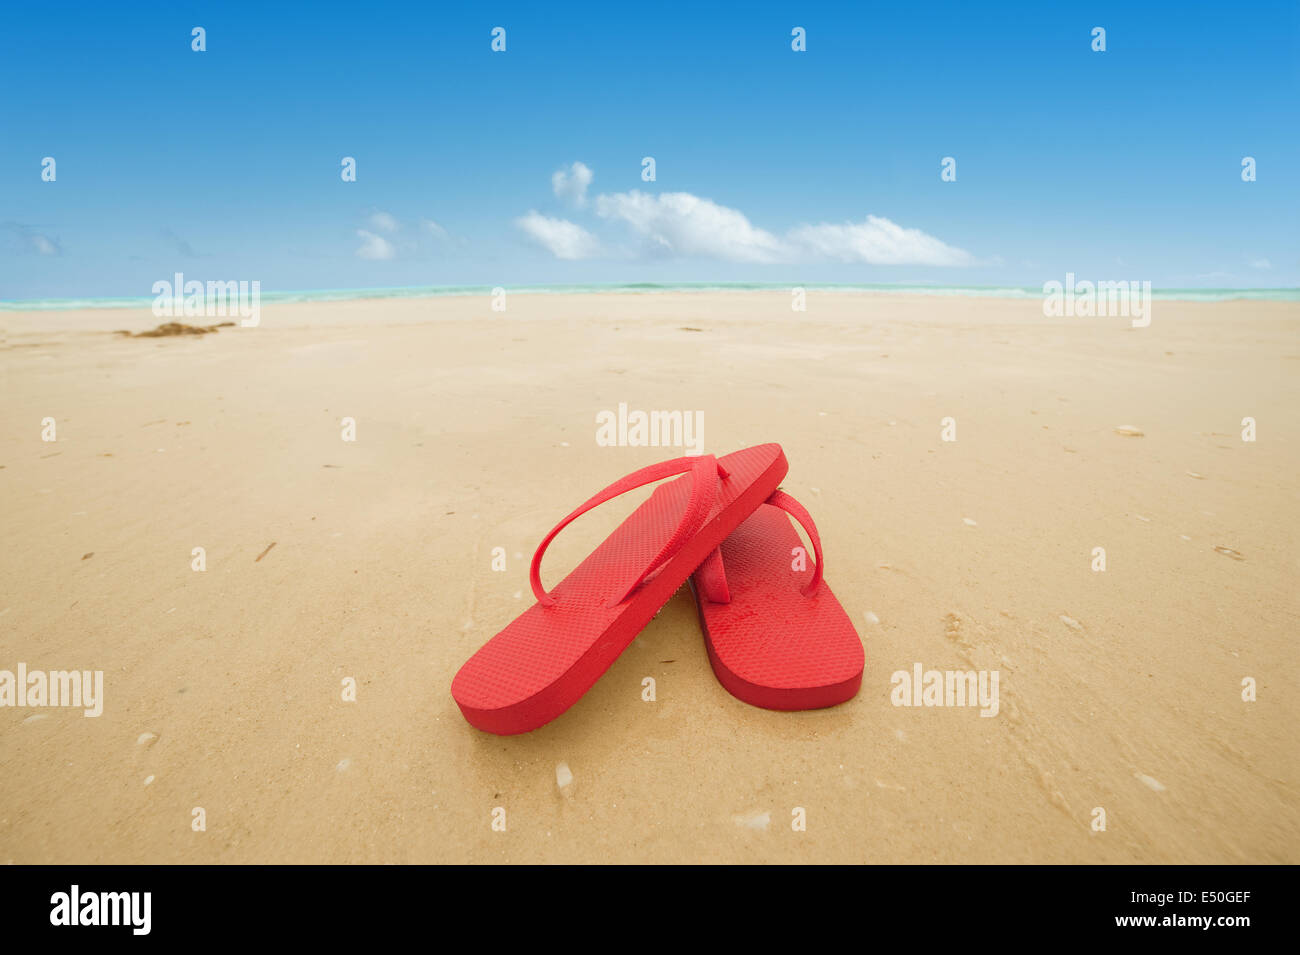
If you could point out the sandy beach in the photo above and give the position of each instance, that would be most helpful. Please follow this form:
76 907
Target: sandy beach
371 560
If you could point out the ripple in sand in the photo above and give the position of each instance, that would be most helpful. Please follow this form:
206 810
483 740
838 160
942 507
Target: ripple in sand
1128 431
146 739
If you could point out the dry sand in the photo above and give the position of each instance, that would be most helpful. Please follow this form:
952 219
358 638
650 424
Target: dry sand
475 430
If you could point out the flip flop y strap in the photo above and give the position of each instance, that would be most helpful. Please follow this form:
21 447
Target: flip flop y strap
711 577
704 470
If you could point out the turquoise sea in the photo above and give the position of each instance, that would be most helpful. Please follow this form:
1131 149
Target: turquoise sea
652 288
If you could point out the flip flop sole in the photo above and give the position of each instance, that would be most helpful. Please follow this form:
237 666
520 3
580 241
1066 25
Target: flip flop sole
771 646
544 661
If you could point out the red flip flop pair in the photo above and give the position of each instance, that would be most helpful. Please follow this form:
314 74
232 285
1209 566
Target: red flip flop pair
776 635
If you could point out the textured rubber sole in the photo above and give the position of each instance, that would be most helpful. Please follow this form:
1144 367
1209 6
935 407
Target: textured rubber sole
770 645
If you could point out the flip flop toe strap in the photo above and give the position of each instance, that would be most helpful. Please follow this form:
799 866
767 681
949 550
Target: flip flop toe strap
711 577
796 510
704 471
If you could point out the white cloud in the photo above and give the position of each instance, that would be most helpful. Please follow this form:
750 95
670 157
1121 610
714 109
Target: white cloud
374 247
564 239
1262 264
877 241
44 245
682 224
383 222
572 185
28 240
435 230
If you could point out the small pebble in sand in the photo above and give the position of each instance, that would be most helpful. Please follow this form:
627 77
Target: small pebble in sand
871 618
344 765
1229 552
1184 537
968 522
1071 622
1193 474
1144 520
564 444
148 780
1149 782
564 778
1128 431
145 739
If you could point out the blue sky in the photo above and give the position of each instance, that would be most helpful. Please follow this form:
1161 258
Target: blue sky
771 165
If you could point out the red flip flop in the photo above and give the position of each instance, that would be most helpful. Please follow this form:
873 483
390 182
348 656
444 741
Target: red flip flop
776 635
539 666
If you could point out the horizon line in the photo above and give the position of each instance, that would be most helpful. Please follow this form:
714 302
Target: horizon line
293 296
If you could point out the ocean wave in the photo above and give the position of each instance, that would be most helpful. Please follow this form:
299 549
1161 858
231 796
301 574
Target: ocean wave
651 288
